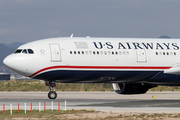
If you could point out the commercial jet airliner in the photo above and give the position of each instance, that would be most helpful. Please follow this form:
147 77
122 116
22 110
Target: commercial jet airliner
132 65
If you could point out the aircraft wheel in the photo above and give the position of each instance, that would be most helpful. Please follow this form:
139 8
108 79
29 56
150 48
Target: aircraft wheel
52 95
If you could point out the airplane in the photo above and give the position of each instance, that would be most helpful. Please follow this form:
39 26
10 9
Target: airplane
132 65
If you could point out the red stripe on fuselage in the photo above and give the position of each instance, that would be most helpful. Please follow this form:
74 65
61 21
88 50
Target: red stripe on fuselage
100 67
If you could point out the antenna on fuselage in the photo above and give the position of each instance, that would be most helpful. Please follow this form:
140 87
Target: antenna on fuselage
71 36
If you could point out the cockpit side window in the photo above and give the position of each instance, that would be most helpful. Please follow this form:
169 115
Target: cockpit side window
24 51
18 51
30 51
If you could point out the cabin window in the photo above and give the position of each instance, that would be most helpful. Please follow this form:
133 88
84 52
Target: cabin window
101 53
82 52
109 52
127 53
94 52
74 52
156 53
78 52
116 53
112 53
70 52
174 53
105 52
98 52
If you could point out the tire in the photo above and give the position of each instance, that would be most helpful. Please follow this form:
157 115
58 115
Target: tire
52 95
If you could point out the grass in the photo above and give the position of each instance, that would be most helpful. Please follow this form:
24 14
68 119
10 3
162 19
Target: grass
45 115
144 116
35 85
85 115
165 88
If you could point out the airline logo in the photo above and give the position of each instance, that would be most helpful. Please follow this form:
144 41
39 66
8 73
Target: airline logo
136 45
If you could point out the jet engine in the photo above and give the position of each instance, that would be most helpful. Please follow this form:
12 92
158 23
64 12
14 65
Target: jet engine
131 88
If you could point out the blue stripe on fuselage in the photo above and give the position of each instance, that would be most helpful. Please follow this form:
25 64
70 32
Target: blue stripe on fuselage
85 76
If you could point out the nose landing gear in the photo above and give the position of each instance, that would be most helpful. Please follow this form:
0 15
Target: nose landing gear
52 93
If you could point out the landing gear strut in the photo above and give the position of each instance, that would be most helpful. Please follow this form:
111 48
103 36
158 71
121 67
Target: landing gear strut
52 93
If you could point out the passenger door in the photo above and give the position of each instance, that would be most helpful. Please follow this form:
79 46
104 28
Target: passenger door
55 52
141 55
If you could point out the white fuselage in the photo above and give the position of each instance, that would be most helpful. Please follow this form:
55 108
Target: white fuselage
99 60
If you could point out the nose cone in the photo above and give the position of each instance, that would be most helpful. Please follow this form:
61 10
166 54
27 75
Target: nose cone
17 63
9 62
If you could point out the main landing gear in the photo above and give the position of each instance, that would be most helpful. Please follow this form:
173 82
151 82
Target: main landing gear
52 93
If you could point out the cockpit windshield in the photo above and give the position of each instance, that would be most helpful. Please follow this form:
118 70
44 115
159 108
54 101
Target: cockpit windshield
18 51
30 51
25 51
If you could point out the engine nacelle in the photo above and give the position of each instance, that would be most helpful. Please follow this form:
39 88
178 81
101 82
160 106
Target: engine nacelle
131 88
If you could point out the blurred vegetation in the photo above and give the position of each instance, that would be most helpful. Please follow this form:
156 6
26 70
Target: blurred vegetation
84 115
36 85
165 88
43 115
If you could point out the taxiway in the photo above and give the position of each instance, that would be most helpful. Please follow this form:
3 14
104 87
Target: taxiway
151 102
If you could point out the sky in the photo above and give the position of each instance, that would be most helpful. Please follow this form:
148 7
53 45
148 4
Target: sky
29 20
